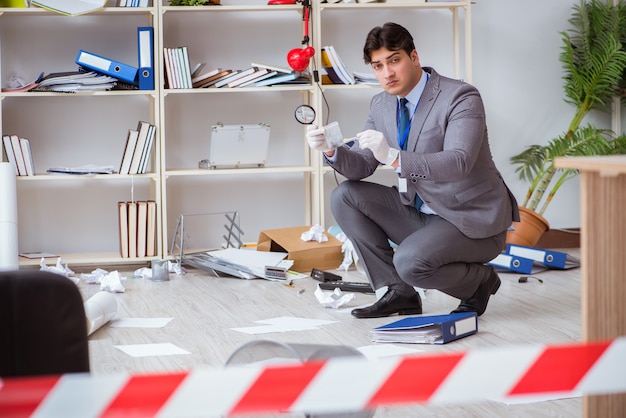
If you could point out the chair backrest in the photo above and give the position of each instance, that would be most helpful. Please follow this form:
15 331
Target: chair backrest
43 329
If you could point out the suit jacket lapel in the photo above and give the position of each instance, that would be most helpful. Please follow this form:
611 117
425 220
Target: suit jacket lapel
390 107
425 106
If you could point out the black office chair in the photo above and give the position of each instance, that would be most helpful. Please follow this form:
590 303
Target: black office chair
43 329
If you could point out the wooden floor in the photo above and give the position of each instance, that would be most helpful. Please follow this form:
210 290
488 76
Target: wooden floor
205 308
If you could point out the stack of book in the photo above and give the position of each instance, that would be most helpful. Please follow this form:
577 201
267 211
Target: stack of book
139 144
137 227
19 155
177 71
75 81
178 74
336 71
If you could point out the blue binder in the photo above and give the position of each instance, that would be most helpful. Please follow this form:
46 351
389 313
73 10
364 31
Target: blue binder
106 66
428 329
549 258
145 50
512 263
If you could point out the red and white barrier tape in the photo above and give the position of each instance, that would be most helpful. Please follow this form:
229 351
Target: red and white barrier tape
334 385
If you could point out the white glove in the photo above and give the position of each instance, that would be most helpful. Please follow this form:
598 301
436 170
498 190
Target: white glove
376 142
316 137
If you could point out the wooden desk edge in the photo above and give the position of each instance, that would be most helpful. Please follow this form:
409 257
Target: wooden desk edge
604 164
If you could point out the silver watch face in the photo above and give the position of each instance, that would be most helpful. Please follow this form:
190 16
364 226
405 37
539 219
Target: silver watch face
305 114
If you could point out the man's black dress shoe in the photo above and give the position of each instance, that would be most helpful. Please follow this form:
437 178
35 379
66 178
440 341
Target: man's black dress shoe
391 303
478 302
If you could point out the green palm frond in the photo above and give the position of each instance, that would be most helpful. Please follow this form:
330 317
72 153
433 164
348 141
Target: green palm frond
593 56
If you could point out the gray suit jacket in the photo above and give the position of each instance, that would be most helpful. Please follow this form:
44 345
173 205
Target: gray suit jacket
447 162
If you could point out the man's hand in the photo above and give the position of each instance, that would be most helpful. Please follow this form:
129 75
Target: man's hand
316 137
376 142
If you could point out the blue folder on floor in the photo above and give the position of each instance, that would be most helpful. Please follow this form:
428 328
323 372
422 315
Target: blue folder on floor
508 262
549 258
428 329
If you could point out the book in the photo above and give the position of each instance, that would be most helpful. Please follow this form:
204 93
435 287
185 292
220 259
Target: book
151 229
145 157
213 79
28 156
428 329
132 229
131 142
196 70
143 129
172 68
250 77
122 210
330 76
72 81
185 67
19 156
277 79
175 58
344 73
142 223
271 67
8 148
335 69
200 79
257 79
70 7
234 76
169 71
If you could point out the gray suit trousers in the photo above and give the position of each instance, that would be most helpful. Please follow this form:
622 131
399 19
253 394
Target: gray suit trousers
431 253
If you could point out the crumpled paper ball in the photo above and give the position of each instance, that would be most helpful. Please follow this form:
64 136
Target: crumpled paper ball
316 233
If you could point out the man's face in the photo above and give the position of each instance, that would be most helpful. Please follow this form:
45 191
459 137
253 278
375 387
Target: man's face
396 71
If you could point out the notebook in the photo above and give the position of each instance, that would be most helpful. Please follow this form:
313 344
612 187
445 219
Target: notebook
238 146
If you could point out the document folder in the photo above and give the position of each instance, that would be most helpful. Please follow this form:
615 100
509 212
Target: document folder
428 329
145 50
513 263
549 258
106 66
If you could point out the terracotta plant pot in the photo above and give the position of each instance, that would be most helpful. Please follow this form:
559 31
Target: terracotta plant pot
530 228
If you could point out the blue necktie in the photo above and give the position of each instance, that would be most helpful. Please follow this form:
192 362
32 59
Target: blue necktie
403 123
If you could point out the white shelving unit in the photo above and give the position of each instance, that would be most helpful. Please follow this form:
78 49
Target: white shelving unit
76 217
278 194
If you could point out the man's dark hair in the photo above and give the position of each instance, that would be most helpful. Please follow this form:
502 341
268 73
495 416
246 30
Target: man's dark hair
391 36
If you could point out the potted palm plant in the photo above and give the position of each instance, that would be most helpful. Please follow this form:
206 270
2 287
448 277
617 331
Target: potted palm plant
593 56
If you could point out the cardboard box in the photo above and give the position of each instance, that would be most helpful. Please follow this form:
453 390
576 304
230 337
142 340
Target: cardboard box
305 254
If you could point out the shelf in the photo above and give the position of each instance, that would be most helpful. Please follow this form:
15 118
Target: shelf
87 177
401 5
238 171
73 260
214 90
234 8
39 11
111 93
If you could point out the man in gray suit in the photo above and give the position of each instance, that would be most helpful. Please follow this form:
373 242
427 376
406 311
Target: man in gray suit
451 209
